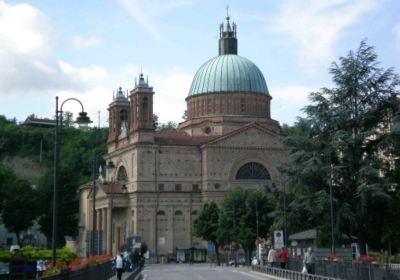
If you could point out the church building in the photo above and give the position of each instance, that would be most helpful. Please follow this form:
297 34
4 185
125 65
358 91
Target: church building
157 182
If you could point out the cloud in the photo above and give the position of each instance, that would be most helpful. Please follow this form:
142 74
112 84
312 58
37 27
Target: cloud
27 60
32 74
288 101
146 13
82 43
171 88
23 29
171 91
314 27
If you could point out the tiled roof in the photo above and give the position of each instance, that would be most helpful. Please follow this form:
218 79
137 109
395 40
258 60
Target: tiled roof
303 235
180 138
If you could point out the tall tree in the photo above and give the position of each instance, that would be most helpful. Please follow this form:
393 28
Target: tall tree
206 225
18 202
242 211
20 209
343 142
7 178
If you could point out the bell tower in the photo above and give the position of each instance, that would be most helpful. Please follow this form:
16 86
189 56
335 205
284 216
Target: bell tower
141 100
118 117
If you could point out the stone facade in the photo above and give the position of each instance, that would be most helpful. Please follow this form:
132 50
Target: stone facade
160 180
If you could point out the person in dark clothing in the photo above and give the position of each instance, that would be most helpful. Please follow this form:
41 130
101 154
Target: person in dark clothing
135 259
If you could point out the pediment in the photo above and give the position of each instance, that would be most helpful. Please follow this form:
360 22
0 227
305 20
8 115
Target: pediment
249 136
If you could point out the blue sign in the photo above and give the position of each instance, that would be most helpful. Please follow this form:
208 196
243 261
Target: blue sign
211 248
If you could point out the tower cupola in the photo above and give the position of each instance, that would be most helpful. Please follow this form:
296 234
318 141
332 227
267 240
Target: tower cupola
227 37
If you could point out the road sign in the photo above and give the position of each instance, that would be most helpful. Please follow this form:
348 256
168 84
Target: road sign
278 239
211 248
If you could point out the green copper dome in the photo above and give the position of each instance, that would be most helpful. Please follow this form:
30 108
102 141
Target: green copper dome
228 73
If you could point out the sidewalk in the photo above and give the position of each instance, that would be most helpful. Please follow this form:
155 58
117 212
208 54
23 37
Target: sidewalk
126 276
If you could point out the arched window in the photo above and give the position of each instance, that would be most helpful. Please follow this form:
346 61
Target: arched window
252 171
145 108
123 116
122 177
178 213
160 213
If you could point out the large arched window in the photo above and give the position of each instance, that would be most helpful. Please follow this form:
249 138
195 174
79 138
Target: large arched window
252 171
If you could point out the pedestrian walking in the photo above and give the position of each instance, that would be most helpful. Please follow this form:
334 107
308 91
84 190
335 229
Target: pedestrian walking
283 258
272 256
119 266
309 261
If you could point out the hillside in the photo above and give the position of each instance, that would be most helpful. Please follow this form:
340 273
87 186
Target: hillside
29 152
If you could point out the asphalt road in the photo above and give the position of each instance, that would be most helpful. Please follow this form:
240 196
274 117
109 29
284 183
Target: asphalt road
199 272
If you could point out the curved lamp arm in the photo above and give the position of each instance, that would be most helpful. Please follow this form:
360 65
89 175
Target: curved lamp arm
62 104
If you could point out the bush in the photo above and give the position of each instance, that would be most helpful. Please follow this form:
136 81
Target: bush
395 258
65 255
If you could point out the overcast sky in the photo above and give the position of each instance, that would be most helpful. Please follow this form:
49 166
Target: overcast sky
86 49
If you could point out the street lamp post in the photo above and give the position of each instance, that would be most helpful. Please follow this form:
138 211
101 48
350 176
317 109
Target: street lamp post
94 228
83 120
333 250
284 215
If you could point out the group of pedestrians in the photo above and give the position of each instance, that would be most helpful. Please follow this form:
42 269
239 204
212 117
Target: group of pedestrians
274 256
282 256
126 261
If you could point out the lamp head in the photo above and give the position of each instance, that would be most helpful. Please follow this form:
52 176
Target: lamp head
83 120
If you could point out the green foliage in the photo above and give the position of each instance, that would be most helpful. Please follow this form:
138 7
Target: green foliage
395 259
66 255
75 168
238 217
77 150
32 253
24 141
206 224
344 140
7 177
20 207
169 126
5 256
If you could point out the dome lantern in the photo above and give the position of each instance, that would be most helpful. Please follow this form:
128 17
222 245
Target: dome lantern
227 37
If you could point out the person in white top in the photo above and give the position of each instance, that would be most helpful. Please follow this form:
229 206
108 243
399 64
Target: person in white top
272 256
119 266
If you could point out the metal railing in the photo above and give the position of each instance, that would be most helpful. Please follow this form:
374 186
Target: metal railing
348 270
289 274
332 270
